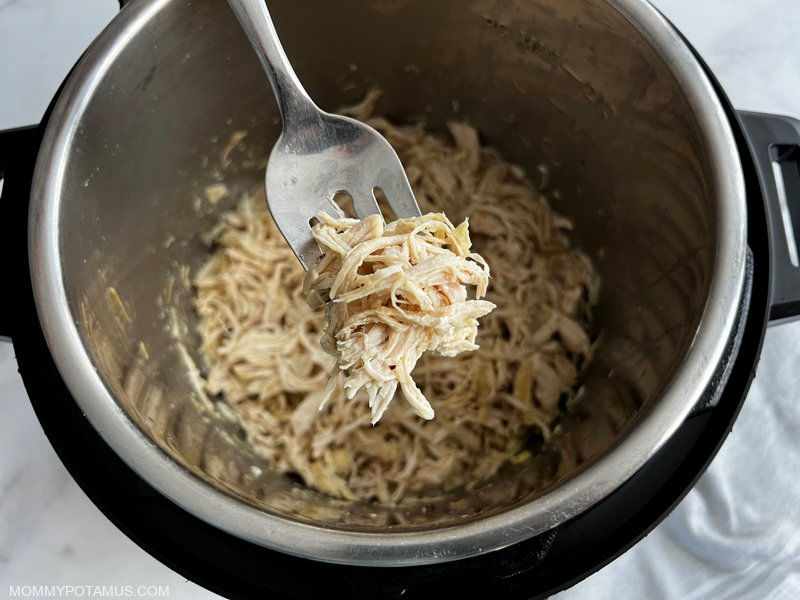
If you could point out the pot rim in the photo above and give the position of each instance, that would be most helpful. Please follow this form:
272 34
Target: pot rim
455 542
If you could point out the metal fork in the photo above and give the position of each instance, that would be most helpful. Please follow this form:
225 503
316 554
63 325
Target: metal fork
318 154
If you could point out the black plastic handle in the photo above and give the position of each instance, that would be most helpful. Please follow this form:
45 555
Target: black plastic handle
18 150
774 142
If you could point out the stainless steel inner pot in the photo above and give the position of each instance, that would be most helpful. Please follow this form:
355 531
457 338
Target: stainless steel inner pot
605 93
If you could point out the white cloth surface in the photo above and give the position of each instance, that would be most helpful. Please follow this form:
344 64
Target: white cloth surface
734 536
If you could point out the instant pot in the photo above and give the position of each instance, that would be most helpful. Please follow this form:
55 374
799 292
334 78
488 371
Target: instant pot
686 207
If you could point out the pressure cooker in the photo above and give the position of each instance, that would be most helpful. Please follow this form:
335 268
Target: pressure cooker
686 207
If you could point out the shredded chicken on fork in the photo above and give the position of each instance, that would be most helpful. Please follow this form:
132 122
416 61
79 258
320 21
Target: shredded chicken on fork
395 292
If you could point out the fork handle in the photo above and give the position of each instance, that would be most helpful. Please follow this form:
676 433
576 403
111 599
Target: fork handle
293 101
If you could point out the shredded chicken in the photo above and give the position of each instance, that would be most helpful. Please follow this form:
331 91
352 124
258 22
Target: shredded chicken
395 291
261 340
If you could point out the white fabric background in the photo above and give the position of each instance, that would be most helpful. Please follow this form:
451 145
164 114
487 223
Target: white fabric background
735 536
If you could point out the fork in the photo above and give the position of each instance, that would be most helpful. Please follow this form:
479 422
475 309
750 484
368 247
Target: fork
318 154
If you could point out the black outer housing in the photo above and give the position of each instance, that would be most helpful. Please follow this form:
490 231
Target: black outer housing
773 138
238 569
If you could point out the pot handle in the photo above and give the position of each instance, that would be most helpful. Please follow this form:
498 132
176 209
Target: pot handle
18 150
774 142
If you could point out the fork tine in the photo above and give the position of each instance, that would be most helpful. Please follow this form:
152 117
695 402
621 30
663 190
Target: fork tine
365 204
331 209
400 197
298 233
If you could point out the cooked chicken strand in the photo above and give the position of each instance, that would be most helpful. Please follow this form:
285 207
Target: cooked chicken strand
395 291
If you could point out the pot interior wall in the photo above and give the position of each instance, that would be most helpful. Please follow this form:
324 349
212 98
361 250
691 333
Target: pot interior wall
566 83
